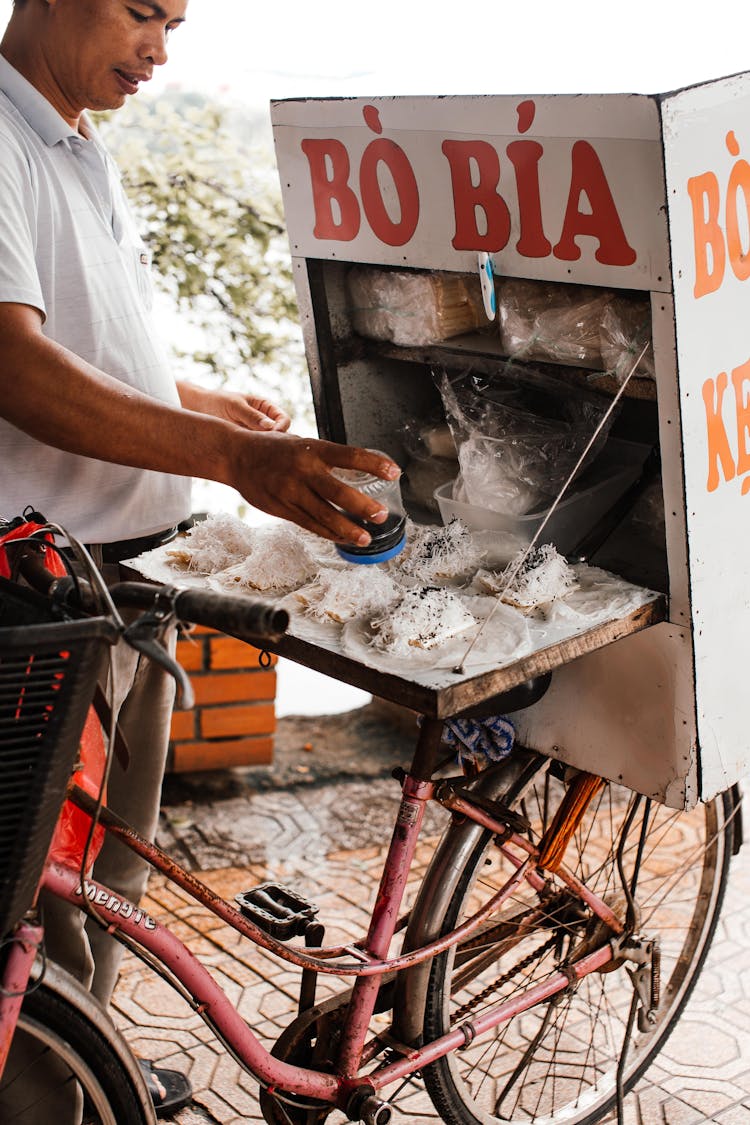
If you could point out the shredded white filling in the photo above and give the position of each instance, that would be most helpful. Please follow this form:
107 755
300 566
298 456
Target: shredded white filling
424 618
543 577
213 544
277 560
342 595
433 553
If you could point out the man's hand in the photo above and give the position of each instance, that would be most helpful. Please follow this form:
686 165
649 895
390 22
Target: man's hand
248 411
290 477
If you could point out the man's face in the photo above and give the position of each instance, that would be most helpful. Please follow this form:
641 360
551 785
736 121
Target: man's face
103 50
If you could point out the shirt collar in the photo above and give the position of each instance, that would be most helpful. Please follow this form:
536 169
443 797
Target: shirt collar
33 106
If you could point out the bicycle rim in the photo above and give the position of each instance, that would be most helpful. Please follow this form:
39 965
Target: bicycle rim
557 1063
61 1068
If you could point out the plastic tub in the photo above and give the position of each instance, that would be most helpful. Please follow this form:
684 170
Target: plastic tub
616 468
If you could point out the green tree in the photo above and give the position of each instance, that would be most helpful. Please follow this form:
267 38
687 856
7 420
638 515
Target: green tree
205 193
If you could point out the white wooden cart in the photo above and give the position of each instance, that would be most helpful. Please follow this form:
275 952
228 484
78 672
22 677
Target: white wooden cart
632 193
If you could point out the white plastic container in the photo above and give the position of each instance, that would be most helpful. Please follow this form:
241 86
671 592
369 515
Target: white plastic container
617 467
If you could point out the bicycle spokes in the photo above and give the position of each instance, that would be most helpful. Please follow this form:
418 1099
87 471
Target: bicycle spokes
658 871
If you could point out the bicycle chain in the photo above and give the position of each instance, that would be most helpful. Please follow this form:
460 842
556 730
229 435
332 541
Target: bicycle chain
469 1006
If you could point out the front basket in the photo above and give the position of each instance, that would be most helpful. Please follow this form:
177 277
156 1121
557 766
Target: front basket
48 672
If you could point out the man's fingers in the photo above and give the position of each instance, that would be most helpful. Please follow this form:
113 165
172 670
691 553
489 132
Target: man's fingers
334 524
351 501
257 414
352 457
316 515
310 501
243 414
278 418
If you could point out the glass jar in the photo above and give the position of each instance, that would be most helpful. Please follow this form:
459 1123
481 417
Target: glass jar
387 538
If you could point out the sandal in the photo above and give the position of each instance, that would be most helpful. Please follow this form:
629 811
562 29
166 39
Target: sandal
169 1089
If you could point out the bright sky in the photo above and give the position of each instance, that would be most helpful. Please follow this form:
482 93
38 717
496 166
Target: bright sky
340 48
333 47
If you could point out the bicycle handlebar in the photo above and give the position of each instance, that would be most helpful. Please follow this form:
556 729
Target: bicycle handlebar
229 613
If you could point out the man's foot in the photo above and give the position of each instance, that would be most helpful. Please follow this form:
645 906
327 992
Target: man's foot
169 1089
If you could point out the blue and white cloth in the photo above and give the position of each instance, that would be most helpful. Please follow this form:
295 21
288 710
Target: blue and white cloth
477 740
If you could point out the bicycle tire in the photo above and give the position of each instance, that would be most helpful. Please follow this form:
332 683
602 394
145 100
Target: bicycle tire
558 1061
61 1063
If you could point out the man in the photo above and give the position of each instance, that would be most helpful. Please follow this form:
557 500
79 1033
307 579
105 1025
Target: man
94 431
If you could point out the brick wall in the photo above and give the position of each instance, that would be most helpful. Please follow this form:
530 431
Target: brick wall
234 717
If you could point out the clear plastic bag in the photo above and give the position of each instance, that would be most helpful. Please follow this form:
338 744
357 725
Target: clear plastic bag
421 477
625 331
547 321
575 325
432 460
493 475
517 445
412 308
425 439
647 517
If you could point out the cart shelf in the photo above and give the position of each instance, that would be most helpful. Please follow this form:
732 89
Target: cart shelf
483 352
443 694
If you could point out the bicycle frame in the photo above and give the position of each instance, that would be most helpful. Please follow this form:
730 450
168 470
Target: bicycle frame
366 960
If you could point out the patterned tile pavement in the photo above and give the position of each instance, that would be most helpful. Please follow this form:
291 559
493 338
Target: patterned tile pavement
294 836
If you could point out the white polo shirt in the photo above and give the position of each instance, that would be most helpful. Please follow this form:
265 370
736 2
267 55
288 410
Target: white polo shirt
69 247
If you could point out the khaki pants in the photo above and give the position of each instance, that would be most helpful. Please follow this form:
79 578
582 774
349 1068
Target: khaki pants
143 700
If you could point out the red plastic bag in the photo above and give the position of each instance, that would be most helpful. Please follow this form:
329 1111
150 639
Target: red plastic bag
73 826
22 528
72 830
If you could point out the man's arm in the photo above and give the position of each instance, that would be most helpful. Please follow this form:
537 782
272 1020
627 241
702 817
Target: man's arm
62 401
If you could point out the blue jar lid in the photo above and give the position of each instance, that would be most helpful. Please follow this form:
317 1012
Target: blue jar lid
376 556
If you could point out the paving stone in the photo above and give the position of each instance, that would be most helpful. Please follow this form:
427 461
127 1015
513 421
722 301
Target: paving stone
739 1115
689 1053
676 1111
195 1115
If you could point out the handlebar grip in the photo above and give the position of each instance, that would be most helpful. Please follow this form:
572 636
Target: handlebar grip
228 613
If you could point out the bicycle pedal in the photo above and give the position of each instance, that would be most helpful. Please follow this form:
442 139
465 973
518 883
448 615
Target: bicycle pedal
277 910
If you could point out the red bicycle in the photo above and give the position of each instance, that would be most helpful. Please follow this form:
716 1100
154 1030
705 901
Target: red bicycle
548 952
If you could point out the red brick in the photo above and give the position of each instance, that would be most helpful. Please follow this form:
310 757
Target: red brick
221 722
183 725
228 652
225 754
190 655
234 687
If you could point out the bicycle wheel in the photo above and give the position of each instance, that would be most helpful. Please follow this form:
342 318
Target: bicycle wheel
558 1062
63 1068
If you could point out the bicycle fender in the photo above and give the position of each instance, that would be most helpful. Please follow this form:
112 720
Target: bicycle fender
59 981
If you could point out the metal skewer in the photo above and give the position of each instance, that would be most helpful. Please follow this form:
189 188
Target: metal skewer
459 669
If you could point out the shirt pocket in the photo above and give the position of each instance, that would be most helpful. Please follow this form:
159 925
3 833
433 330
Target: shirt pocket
141 259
